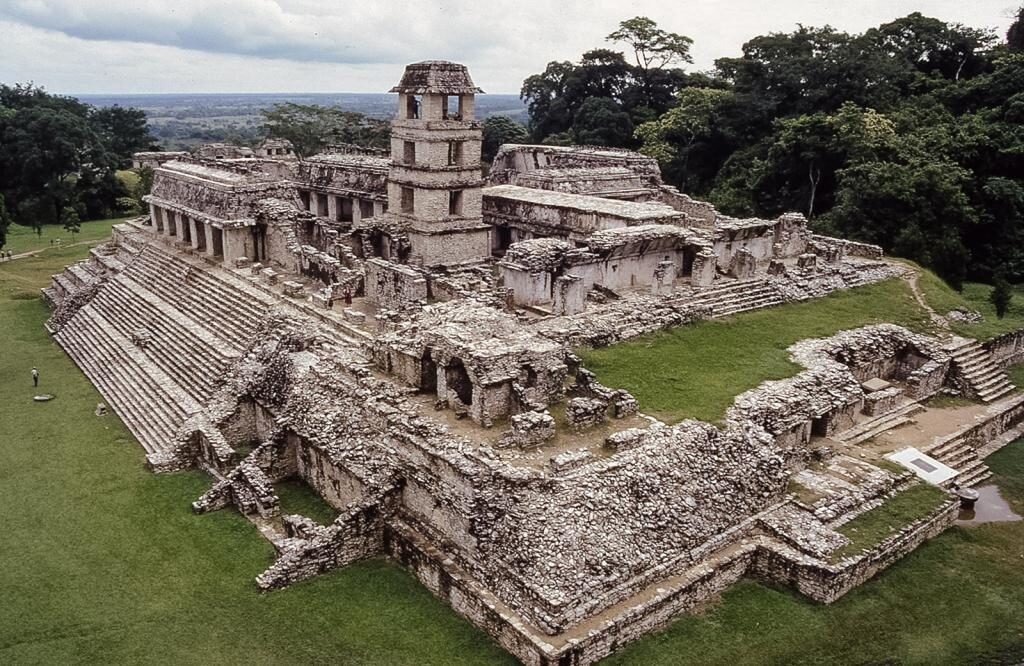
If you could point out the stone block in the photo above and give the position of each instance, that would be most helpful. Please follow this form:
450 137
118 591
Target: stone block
354 316
530 429
242 262
255 268
269 275
292 288
583 413
807 261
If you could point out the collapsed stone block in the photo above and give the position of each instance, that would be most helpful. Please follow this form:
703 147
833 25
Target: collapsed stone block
530 429
776 267
881 402
242 262
743 265
255 268
807 261
583 413
570 460
269 275
292 288
354 316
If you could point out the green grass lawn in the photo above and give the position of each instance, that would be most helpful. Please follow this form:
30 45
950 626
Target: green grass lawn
1016 373
872 527
297 497
103 562
24 239
696 371
974 296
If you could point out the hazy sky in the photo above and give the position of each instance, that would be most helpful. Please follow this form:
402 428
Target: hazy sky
107 46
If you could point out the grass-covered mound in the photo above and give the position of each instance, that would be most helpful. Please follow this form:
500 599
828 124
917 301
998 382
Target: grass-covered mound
975 296
695 371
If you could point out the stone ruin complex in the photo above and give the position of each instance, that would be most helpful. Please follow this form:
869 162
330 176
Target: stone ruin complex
397 332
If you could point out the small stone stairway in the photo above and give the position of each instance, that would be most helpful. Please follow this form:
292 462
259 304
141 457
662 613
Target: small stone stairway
736 296
961 456
865 430
982 378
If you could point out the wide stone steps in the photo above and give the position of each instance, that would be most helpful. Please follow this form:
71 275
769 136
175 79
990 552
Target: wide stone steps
983 377
184 350
231 313
735 296
147 400
963 457
239 298
865 430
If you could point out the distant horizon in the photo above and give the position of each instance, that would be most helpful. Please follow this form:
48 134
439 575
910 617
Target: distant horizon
95 47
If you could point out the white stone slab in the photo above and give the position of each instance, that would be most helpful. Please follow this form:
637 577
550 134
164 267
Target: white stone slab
922 464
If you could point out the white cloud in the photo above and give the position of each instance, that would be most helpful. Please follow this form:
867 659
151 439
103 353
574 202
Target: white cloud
361 45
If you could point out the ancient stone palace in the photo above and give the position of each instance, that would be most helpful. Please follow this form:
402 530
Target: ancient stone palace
397 331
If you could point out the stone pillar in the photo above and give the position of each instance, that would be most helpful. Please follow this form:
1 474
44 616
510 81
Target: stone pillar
333 206
158 218
704 266
196 228
209 239
378 208
357 212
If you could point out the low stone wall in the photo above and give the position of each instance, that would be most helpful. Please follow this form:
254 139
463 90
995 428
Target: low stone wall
849 248
1007 349
826 582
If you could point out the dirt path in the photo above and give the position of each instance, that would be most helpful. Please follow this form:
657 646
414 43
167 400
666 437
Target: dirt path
52 247
910 277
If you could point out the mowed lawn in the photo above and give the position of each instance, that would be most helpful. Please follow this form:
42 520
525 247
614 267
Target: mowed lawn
103 562
696 371
24 239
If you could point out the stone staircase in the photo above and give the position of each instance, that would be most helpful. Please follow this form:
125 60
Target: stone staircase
734 296
189 353
149 402
982 378
961 456
865 430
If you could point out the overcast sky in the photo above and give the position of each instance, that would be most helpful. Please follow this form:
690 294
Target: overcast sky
110 46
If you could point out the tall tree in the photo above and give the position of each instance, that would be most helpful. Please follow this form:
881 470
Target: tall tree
312 127
653 49
499 130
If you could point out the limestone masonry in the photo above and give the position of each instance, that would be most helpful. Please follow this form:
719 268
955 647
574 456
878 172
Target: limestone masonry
397 332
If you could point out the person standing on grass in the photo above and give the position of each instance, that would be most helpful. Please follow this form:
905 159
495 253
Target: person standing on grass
35 376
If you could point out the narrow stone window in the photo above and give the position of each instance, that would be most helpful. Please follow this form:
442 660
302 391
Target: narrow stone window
409 152
408 200
455 153
455 202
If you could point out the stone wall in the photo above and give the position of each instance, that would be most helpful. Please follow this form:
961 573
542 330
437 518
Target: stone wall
1006 349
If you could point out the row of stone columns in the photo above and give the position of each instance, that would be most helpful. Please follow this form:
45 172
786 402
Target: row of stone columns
341 209
202 236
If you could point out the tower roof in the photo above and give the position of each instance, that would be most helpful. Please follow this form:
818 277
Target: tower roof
436 77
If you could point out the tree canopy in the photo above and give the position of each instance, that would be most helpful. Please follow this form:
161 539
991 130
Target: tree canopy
312 127
58 154
909 135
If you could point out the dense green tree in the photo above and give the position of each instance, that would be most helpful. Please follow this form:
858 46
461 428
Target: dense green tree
123 132
1002 294
1015 35
312 127
500 130
602 122
70 220
673 137
55 154
5 221
556 96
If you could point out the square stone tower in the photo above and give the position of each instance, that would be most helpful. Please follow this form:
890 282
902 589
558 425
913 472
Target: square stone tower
435 182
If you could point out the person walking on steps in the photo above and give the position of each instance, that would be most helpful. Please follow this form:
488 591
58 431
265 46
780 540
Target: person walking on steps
35 376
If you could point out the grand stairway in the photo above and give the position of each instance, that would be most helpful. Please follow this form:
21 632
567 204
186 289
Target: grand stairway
158 335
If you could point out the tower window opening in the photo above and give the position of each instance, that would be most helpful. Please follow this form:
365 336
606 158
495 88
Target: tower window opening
409 152
455 202
408 200
454 153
